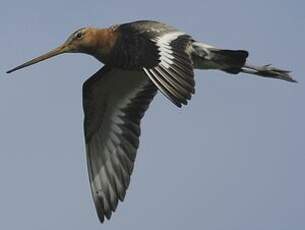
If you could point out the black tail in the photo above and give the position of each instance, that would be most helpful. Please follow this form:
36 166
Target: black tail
231 61
234 61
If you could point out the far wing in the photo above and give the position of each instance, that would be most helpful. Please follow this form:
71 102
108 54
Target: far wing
162 52
174 74
114 102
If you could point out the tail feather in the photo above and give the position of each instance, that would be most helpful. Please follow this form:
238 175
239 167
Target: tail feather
233 61
208 57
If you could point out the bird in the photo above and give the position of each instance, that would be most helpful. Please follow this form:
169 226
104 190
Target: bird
140 59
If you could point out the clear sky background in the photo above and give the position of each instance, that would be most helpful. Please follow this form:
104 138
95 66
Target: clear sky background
232 159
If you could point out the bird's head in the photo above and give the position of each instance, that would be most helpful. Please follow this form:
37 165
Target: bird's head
83 40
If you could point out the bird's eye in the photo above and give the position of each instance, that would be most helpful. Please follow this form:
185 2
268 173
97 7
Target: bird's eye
79 35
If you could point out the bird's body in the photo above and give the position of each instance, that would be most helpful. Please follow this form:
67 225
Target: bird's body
140 59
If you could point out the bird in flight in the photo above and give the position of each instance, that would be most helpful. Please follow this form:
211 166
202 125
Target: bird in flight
140 58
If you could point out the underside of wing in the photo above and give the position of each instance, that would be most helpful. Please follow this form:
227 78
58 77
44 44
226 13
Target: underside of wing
114 102
174 75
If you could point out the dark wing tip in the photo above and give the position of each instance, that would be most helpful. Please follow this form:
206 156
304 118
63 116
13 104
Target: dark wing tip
102 211
101 217
108 215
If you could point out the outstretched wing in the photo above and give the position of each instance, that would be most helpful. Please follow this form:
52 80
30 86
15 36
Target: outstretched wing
174 75
114 102
162 52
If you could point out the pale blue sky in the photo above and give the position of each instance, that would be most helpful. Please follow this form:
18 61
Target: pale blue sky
232 159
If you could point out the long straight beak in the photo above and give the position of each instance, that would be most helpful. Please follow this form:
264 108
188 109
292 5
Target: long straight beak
59 50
